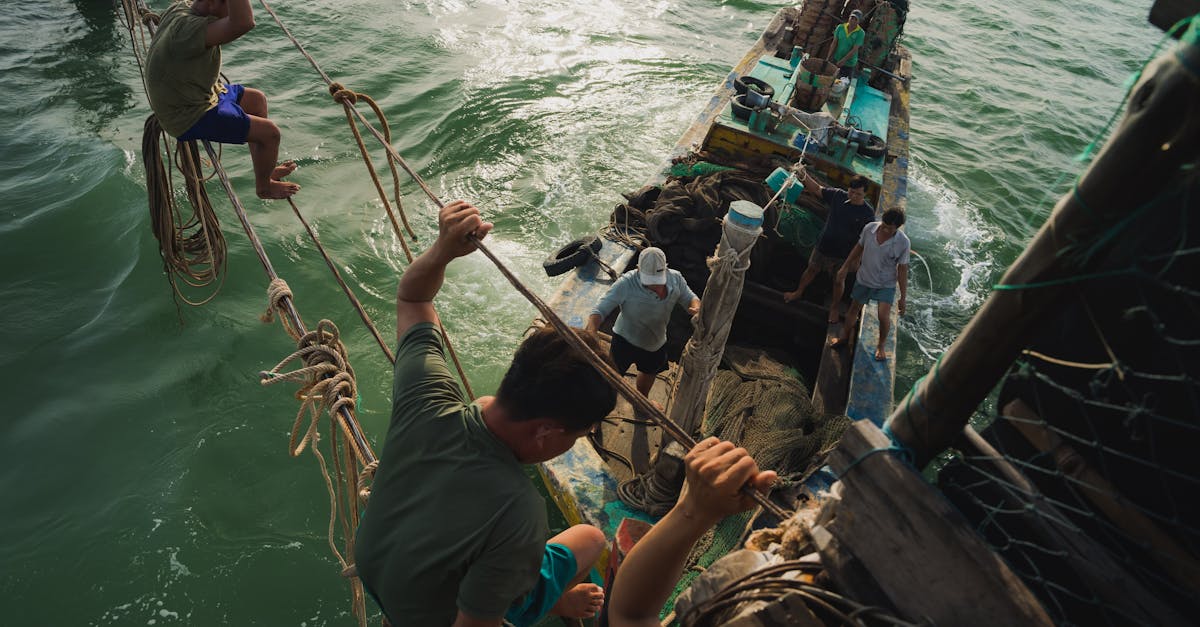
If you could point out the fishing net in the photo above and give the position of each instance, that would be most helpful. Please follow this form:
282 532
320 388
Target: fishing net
1101 417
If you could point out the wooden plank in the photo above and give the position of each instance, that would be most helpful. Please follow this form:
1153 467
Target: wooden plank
1165 13
920 550
833 376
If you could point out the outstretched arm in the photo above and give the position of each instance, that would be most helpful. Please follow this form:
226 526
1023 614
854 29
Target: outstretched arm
851 261
424 277
239 22
716 472
902 281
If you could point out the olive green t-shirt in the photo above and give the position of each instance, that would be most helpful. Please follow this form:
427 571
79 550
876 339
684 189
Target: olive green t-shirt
453 521
181 72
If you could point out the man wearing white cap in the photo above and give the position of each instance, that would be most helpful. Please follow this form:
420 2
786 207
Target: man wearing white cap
646 297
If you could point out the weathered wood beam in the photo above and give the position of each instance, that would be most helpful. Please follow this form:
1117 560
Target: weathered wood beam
1159 136
919 550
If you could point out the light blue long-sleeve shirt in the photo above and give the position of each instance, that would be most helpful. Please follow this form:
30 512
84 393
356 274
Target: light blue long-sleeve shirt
643 318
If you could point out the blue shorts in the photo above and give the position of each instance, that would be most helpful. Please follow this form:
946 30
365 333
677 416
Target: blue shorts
558 569
225 123
863 294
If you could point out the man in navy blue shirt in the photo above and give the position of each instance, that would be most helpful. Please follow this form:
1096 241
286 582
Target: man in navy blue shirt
849 212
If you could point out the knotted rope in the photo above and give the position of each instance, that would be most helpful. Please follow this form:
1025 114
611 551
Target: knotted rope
277 292
347 99
327 385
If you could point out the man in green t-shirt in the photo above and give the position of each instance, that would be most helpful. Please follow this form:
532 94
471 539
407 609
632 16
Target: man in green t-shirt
455 533
183 69
847 39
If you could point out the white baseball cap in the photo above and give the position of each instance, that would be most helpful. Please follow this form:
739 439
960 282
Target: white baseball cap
652 267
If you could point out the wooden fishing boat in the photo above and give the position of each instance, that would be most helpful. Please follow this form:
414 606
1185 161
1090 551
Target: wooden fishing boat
791 339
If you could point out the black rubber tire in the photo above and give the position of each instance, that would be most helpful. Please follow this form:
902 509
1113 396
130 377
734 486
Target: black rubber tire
761 86
572 255
873 149
740 110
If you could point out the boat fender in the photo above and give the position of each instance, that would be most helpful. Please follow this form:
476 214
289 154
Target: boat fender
874 148
572 255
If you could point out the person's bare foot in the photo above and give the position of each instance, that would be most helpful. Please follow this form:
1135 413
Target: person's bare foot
838 342
880 354
582 601
276 190
282 170
790 296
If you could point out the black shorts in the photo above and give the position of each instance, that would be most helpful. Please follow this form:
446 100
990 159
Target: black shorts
624 353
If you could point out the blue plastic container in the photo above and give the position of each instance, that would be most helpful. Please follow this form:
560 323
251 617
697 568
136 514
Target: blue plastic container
776 181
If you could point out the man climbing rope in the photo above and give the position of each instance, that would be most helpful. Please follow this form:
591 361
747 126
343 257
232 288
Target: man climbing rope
847 39
849 212
455 533
646 297
884 249
182 72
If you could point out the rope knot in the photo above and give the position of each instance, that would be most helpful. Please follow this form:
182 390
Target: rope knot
149 18
342 95
365 477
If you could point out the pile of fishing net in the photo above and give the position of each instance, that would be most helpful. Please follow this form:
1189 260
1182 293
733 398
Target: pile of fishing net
762 404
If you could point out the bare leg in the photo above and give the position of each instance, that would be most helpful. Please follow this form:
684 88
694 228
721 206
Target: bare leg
264 149
885 323
810 273
839 287
263 141
645 381
850 326
581 600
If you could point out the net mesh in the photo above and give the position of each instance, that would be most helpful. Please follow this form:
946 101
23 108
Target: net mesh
1101 420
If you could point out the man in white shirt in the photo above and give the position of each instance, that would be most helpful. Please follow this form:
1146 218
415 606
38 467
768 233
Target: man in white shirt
884 250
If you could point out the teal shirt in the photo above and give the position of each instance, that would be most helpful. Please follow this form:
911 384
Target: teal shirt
643 318
846 41
453 521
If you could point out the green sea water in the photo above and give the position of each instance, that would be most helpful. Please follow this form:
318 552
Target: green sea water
145 478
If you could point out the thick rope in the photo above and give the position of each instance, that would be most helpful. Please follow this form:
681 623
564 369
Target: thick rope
639 402
347 99
191 244
277 292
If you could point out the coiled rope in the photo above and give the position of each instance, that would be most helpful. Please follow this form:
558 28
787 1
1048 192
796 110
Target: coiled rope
190 243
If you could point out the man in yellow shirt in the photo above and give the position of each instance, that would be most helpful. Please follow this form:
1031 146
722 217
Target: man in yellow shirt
182 81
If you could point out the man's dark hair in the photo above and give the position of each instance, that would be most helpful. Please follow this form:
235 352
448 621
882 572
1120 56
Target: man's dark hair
858 182
548 379
894 217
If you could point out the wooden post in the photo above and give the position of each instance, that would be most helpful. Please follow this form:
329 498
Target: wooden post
1159 135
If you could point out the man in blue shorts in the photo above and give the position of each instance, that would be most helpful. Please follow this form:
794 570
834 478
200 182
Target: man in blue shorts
455 532
182 82
646 296
883 249
849 212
